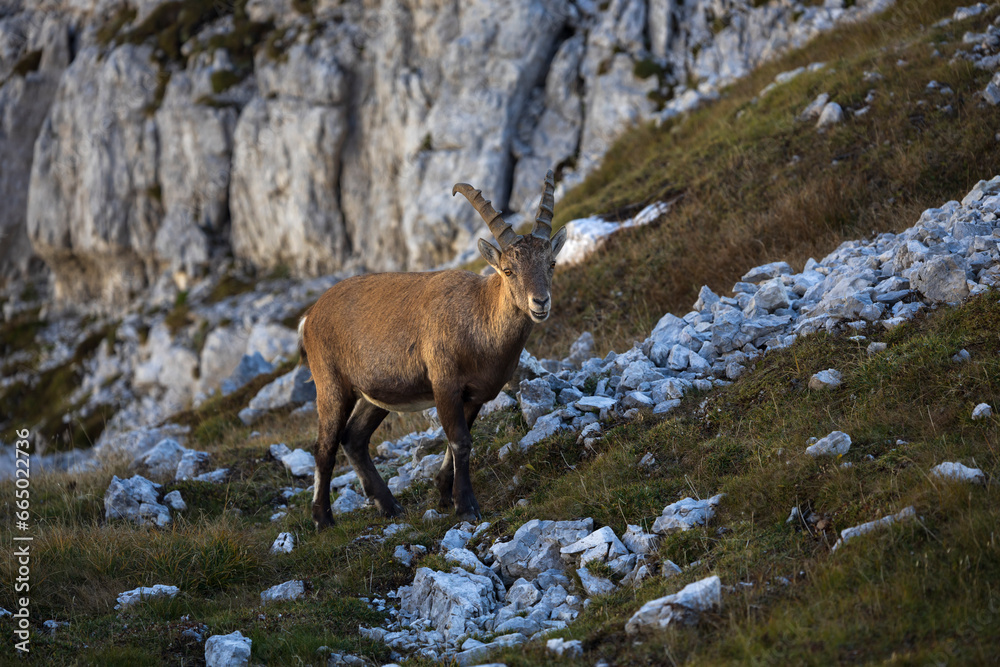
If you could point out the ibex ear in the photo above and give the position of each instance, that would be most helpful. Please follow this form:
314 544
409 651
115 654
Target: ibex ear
490 253
558 239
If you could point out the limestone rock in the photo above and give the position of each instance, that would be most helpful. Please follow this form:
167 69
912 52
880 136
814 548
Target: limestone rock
455 603
292 388
905 514
537 399
982 411
958 472
290 590
135 499
191 465
571 648
249 367
941 279
174 501
828 379
283 544
832 114
837 443
348 501
535 547
129 598
683 606
232 650
161 461
685 514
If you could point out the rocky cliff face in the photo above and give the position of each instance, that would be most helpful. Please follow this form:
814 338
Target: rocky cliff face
141 139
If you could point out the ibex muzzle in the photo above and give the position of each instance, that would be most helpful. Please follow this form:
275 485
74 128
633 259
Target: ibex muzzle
406 341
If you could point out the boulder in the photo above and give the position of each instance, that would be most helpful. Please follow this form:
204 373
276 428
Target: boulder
299 462
220 357
232 650
544 427
640 542
683 606
571 648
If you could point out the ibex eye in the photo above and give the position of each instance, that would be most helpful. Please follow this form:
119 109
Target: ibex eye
507 272
553 265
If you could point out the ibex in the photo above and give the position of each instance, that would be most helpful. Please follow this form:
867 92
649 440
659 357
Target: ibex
404 342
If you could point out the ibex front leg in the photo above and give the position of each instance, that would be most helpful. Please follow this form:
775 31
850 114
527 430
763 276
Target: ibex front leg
446 474
456 418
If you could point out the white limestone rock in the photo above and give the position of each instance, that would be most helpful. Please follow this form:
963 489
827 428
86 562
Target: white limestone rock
232 650
681 607
535 547
283 544
161 461
455 603
982 411
292 388
828 379
685 514
290 590
832 114
593 584
136 595
571 648
348 501
958 473
174 501
191 465
249 367
135 499
639 541
906 514
837 443
299 462
537 399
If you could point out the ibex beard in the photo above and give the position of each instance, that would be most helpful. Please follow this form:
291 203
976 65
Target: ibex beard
402 342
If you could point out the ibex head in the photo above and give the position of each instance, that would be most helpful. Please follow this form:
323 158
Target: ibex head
525 263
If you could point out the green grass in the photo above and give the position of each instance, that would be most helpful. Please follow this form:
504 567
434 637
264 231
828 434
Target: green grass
740 200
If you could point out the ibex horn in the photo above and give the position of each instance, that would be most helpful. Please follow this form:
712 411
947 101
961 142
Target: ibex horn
543 221
502 231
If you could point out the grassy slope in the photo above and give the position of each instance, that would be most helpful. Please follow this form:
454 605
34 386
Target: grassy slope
918 593
744 202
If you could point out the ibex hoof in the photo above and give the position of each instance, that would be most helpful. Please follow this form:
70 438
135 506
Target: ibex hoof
322 520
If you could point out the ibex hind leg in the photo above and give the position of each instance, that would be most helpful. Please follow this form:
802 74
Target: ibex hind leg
333 411
363 422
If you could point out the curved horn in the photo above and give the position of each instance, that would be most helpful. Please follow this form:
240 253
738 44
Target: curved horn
543 220
501 230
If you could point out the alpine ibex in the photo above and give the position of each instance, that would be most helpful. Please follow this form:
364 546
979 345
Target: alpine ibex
404 342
